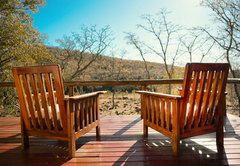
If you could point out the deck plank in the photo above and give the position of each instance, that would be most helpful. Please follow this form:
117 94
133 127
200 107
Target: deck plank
121 143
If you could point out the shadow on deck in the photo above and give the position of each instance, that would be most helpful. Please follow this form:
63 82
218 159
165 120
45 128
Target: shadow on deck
122 143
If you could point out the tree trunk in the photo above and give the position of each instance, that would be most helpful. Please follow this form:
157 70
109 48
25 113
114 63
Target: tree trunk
114 90
169 89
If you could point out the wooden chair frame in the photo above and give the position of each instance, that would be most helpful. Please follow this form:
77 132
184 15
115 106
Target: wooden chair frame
197 110
47 113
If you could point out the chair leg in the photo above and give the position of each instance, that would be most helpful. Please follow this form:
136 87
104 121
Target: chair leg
71 148
219 137
98 131
224 105
175 146
24 136
219 132
145 129
25 142
71 131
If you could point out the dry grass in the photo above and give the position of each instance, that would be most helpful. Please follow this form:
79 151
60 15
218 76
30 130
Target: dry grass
124 104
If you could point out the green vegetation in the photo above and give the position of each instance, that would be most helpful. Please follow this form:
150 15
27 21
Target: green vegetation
109 92
20 44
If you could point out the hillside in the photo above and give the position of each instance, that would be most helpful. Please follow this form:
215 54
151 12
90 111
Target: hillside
102 68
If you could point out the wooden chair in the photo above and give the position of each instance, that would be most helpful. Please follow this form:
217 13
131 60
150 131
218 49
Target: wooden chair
198 110
46 112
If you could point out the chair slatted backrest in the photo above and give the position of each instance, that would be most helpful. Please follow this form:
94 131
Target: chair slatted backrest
203 91
40 93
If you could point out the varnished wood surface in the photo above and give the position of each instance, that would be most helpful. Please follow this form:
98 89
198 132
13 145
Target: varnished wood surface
121 143
190 114
45 112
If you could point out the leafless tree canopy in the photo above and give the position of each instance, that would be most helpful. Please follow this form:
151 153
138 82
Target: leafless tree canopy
164 33
196 41
84 48
134 40
225 14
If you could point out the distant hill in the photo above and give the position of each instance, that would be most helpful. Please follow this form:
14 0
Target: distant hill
100 70
131 69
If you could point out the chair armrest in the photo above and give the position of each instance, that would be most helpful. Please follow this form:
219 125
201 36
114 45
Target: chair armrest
73 98
160 95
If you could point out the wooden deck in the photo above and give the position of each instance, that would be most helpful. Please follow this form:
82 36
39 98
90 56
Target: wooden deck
121 143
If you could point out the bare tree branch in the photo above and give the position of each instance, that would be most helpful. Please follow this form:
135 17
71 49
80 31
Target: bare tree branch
162 31
133 39
226 15
82 49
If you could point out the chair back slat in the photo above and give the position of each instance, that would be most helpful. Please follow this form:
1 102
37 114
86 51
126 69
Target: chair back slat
44 101
203 90
192 99
221 90
22 99
29 99
206 98
58 82
40 92
36 100
199 99
185 92
212 100
52 101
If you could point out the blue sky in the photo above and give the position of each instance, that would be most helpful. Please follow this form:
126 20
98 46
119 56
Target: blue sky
62 17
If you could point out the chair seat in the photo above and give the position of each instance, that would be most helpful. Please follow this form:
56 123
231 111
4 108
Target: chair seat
50 118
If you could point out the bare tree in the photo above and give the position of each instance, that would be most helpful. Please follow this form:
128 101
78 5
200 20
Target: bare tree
225 15
80 50
134 40
66 53
163 32
115 68
196 41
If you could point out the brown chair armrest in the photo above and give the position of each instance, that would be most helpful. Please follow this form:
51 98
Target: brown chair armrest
78 97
